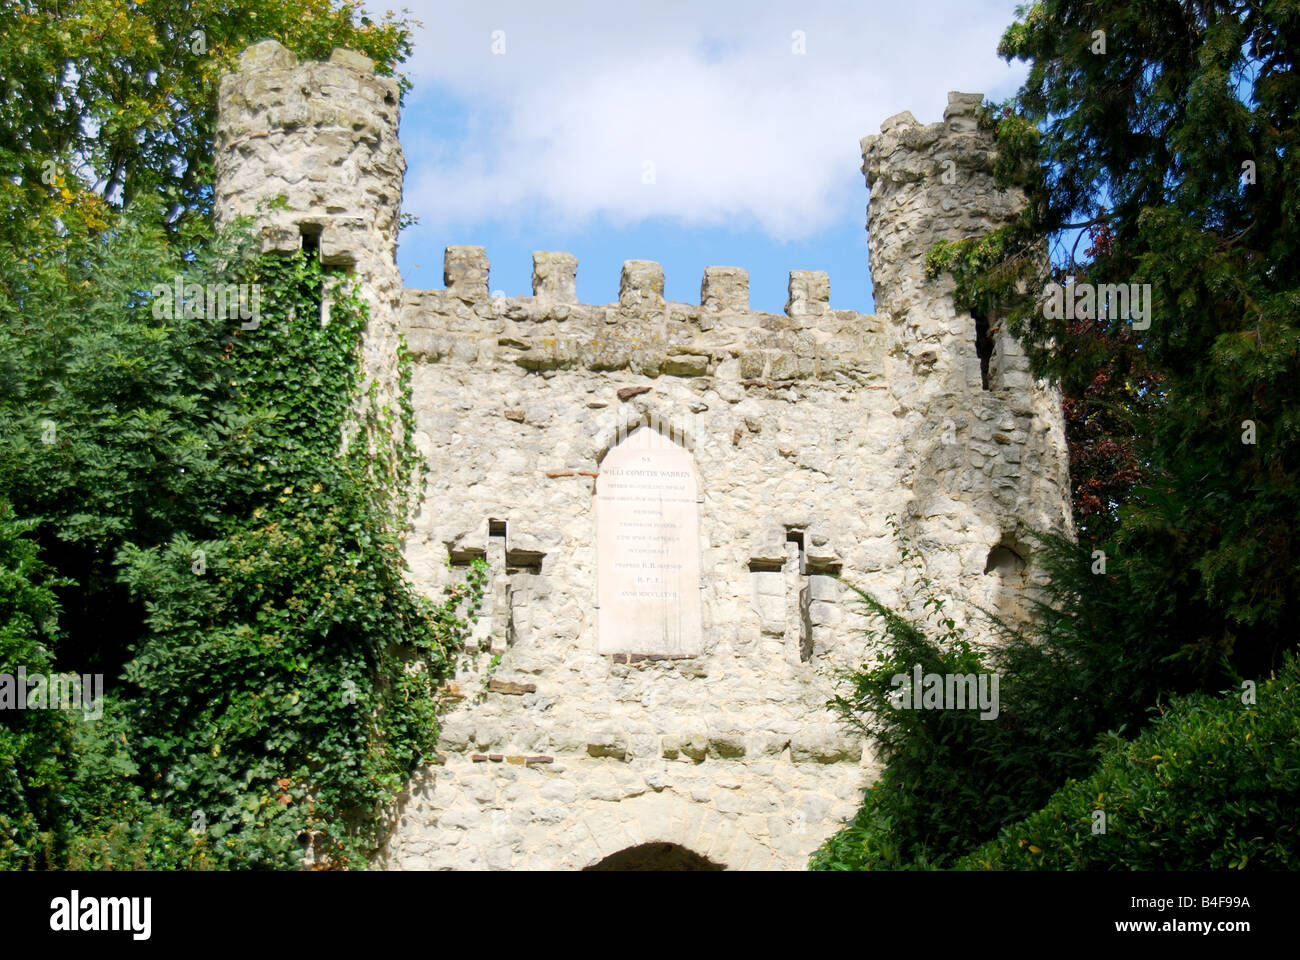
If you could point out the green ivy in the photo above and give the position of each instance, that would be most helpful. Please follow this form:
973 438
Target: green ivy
228 507
295 678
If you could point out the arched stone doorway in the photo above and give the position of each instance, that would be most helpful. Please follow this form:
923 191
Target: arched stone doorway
656 856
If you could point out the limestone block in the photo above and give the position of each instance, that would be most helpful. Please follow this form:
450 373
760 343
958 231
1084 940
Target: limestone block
768 583
766 744
455 734
726 744
962 104
821 613
554 276
607 742
694 745
823 588
342 243
641 286
686 366
559 790
810 293
352 60
725 289
266 55
820 553
278 239
465 273
767 543
824 743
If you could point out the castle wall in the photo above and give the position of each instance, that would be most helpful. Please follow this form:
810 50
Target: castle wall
518 402
803 433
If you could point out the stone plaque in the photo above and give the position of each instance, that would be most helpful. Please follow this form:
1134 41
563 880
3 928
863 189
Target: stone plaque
648 548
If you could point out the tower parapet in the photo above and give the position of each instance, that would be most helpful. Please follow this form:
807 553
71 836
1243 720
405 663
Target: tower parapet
986 445
929 183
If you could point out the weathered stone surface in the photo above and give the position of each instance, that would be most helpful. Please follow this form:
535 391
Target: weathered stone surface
555 278
806 432
465 272
350 58
267 55
824 743
725 289
510 687
642 286
810 293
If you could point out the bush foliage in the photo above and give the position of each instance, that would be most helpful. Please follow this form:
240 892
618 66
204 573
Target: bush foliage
1212 784
1096 661
214 551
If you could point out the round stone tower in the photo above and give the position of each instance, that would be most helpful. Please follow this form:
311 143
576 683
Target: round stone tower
986 457
323 137
929 183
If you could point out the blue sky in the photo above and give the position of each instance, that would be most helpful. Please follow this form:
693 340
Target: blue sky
692 134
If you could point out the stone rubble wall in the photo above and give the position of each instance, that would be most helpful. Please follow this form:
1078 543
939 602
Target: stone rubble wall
795 429
569 815
518 401
808 430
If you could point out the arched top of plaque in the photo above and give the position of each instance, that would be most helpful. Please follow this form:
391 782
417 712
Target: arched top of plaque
648 547
678 429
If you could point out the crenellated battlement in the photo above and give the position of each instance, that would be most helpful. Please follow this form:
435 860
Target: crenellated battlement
932 182
641 285
641 332
321 136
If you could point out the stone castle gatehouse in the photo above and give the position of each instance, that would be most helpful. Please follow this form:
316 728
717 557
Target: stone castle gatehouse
667 494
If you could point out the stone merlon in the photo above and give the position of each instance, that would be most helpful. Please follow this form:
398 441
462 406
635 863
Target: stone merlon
723 291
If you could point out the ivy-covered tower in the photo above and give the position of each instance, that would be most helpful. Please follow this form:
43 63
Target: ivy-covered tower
311 152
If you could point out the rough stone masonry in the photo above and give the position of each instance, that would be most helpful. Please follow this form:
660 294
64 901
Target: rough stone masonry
666 493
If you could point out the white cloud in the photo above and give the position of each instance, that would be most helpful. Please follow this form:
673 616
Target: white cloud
739 129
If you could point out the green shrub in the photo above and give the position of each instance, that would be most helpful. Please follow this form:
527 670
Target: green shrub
234 570
1093 661
1212 784
34 744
